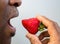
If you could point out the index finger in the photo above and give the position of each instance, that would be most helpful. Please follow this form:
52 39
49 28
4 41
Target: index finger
51 25
44 20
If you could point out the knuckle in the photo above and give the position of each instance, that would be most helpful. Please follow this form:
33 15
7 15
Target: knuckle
43 16
52 23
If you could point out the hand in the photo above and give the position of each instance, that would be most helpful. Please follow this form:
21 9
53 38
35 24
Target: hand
53 32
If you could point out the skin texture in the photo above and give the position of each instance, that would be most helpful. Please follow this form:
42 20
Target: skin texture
8 10
53 31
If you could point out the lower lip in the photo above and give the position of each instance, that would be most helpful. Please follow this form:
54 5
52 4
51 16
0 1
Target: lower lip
13 30
10 26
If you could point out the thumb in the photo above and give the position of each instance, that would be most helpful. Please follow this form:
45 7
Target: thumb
33 38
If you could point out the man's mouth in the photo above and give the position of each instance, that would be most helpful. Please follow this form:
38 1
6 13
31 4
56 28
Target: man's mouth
9 23
11 28
13 12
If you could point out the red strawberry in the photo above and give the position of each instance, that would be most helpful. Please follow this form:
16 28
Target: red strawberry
32 25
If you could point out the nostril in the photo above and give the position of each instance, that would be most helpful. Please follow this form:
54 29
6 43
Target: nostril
16 4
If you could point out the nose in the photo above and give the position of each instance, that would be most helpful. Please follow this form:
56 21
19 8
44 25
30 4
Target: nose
15 3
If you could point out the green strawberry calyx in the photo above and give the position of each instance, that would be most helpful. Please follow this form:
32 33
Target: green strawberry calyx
41 27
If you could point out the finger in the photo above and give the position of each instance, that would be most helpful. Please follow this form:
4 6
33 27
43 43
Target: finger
45 41
51 25
33 39
44 20
43 34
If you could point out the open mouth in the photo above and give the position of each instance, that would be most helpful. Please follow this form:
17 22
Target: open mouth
13 12
9 23
12 28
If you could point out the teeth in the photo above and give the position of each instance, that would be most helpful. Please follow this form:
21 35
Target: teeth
9 23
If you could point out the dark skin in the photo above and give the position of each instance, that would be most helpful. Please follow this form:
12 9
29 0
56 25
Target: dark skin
8 10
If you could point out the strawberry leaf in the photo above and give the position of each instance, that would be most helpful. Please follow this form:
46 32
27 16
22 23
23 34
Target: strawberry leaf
41 27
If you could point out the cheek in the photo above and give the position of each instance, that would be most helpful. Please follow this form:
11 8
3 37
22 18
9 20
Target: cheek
3 4
3 23
3 15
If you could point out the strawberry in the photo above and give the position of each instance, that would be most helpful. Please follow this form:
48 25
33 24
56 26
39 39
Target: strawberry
32 25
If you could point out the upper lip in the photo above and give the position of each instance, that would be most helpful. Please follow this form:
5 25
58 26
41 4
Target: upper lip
13 12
